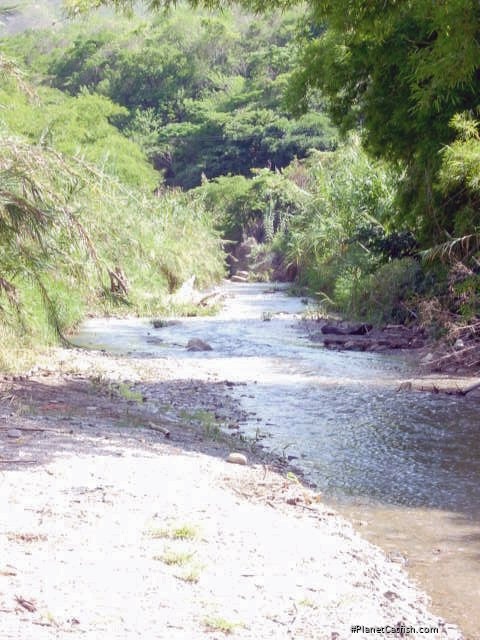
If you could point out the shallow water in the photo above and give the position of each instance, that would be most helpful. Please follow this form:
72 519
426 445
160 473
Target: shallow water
404 466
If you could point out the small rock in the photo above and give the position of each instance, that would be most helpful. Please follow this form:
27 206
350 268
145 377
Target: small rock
238 279
160 323
195 344
428 358
459 344
237 458
14 433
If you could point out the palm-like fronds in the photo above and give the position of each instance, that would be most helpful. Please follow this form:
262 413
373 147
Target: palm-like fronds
453 250
36 219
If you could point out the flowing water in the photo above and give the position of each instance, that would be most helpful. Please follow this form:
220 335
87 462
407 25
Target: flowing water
404 466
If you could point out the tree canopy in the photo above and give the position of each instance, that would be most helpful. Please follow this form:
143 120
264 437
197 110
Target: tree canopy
203 93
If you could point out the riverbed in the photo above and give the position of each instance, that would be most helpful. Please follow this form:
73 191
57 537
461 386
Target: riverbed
403 466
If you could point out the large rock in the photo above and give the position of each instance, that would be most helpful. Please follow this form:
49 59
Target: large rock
358 329
237 458
195 344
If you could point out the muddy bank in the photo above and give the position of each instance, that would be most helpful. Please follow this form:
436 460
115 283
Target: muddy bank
113 529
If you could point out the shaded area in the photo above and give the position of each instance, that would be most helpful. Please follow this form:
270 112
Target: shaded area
58 415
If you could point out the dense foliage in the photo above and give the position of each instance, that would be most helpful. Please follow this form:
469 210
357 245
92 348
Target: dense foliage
203 94
235 105
77 232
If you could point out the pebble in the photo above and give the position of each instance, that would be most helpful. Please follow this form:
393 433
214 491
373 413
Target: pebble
14 433
237 458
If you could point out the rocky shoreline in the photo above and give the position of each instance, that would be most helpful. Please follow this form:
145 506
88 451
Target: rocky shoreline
361 336
440 366
115 529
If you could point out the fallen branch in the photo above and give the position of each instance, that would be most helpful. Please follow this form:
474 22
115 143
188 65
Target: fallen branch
211 298
25 429
472 387
157 427
29 605
454 354
3 461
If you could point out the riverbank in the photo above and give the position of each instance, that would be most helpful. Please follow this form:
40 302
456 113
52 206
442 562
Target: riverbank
114 529
441 366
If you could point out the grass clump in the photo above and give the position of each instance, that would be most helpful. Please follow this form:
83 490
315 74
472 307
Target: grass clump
176 532
128 394
191 576
175 558
306 602
217 623
206 420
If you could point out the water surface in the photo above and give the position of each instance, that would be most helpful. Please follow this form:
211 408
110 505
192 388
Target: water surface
405 466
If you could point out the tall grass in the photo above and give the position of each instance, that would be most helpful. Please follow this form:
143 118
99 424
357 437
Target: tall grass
65 227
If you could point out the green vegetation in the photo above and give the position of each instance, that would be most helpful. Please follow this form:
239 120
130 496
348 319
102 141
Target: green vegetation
217 623
344 139
176 532
80 226
201 93
192 575
176 558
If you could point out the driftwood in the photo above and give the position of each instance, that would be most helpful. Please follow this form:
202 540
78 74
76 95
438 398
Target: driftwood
25 429
118 282
29 605
472 387
211 298
157 427
454 354
449 387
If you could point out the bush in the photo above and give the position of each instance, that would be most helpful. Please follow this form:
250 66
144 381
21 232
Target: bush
382 296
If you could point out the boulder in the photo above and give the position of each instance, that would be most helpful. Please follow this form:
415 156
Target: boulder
195 344
332 329
359 329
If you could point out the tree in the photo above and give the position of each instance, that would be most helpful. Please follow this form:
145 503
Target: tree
398 69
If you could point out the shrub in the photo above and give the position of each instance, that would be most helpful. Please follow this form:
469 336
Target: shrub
382 296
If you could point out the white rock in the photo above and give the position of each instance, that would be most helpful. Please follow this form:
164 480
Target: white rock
428 358
14 433
237 458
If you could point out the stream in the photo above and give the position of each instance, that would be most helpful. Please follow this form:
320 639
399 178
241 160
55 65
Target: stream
404 467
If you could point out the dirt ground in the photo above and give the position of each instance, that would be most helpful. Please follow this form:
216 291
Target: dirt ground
111 529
